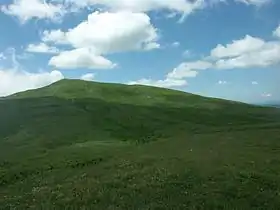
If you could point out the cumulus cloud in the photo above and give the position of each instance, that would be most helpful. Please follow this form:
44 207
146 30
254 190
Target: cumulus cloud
151 46
88 77
109 32
2 56
103 33
177 77
81 58
266 95
188 69
55 9
222 82
265 56
277 32
166 83
246 53
255 83
238 47
55 36
174 7
175 44
42 48
26 10
243 53
13 80
254 2
185 7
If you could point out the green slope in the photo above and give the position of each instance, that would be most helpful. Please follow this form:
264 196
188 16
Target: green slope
111 146
124 94
73 110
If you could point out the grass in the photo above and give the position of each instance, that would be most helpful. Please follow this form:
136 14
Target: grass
98 146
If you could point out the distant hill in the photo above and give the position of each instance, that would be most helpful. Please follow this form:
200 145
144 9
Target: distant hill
271 104
111 146
98 110
275 105
119 93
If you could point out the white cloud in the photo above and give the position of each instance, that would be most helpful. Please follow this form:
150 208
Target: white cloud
55 36
265 56
100 34
186 53
26 10
254 2
246 53
12 81
41 48
277 32
255 83
184 7
238 47
266 95
88 77
2 56
110 32
188 69
177 77
151 46
175 44
180 6
55 9
222 82
81 58
166 83
173 7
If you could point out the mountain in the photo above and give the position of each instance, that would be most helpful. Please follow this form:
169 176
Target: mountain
275 105
271 104
109 146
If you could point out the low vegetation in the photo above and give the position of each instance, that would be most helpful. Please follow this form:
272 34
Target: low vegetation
86 145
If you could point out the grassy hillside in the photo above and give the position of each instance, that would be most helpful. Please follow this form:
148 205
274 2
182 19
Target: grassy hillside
124 94
109 146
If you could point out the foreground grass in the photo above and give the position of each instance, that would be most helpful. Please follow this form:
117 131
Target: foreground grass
236 170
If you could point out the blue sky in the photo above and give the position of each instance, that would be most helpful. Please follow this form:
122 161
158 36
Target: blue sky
220 48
